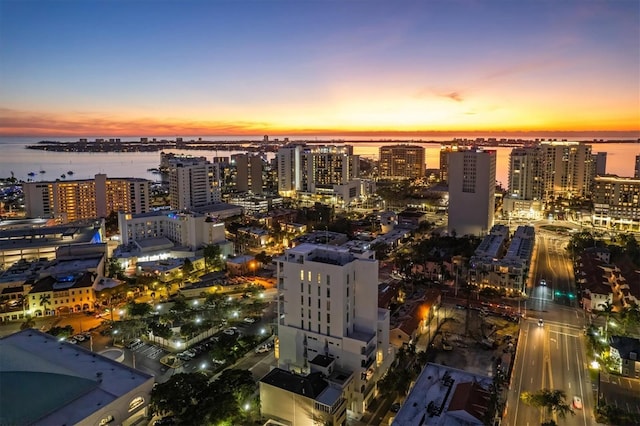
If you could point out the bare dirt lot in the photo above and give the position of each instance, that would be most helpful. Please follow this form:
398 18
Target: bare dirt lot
480 346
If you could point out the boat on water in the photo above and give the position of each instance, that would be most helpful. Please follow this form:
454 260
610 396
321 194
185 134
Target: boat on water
63 176
32 174
42 172
70 172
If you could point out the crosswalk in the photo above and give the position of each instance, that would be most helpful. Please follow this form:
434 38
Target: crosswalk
150 351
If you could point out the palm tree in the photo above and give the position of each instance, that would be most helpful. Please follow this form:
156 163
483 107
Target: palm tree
606 311
23 299
629 317
29 322
552 400
45 299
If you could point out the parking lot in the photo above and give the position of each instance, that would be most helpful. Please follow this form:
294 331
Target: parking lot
622 392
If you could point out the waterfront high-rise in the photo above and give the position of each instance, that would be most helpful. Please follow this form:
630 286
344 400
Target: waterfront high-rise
599 163
542 172
72 200
472 185
636 169
401 162
445 150
329 312
193 183
329 171
567 169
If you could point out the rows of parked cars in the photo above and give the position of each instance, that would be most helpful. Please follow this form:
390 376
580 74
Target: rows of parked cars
79 338
197 349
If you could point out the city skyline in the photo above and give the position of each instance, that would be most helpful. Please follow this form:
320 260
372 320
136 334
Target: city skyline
426 68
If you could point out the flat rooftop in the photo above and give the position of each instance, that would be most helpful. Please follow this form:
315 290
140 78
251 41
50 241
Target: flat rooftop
434 399
70 381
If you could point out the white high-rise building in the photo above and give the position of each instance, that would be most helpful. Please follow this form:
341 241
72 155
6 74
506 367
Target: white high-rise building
472 186
329 311
567 169
193 183
330 171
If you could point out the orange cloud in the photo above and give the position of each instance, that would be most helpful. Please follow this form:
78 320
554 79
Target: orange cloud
23 123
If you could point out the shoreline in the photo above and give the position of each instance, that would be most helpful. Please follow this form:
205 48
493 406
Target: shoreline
273 146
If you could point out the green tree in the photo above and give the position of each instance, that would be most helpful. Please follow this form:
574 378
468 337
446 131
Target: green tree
552 401
138 309
187 267
114 268
179 394
29 322
606 310
111 223
629 318
240 382
212 257
65 331
45 300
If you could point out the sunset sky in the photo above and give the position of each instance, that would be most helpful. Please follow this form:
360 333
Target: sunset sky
74 68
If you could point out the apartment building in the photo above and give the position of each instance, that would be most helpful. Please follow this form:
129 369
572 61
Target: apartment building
567 169
472 184
327 172
190 230
68 201
193 182
329 318
401 162
616 202
548 170
445 150
501 261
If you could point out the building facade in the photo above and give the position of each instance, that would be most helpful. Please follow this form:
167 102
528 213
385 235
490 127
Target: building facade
185 229
616 202
472 185
401 162
68 201
445 150
193 182
248 173
329 308
327 173
567 169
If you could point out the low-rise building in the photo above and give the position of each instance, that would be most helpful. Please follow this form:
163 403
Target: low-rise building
292 399
85 388
63 293
445 396
500 262
625 352
30 243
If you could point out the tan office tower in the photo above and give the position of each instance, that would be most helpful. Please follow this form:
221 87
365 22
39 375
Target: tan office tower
248 172
401 162
472 185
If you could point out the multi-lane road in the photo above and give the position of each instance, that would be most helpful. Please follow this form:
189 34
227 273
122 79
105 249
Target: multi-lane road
550 350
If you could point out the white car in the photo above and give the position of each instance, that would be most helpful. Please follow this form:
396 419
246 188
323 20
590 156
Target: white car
540 323
577 403
249 320
262 349
72 341
543 282
229 332
79 337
